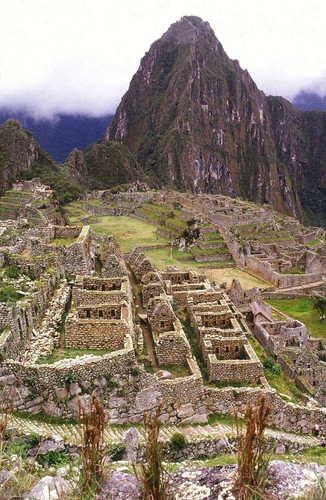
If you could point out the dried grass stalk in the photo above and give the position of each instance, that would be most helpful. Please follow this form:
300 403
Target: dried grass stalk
252 461
91 429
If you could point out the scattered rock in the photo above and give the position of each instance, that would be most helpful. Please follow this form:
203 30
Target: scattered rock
131 439
50 488
120 486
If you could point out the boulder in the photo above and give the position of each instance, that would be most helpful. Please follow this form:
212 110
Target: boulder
131 439
50 488
120 486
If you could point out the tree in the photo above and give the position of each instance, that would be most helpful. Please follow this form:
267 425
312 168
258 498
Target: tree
320 306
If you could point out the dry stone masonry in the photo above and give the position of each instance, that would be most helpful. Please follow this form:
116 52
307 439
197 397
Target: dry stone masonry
49 274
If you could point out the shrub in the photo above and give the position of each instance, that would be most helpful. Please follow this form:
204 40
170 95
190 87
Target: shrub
34 439
69 378
53 457
135 371
13 272
178 441
9 294
274 368
116 451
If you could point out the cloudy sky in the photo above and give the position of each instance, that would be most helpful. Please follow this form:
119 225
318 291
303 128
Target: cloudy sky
78 56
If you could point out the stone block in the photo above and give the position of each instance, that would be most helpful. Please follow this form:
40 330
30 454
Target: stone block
50 488
61 393
185 410
279 449
195 419
147 399
131 439
8 380
74 389
34 402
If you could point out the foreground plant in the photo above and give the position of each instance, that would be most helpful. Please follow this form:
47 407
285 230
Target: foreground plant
252 458
91 428
153 476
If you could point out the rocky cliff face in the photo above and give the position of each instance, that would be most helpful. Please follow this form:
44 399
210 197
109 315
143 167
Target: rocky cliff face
195 120
18 152
22 158
103 165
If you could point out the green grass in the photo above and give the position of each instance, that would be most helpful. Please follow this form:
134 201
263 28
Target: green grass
314 242
302 309
210 236
128 231
161 257
62 241
293 270
60 353
281 383
177 371
213 250
43 418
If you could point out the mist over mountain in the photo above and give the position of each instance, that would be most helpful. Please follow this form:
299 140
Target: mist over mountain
63 133
308 101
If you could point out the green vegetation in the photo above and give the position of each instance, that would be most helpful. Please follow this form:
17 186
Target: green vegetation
274 374
53 458
177 371
62 241
128 231
9 294
302 309
320 306
161 257
60 353
293 270
314 242
116 451
178 441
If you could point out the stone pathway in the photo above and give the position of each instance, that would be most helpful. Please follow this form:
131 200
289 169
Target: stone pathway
140 310
70 434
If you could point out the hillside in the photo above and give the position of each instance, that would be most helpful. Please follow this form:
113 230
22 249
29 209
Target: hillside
21 157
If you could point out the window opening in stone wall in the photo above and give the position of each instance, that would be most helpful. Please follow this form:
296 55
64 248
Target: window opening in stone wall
88 313
100 314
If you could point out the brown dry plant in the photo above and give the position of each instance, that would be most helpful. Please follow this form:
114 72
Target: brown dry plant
252 459
91 429
153 475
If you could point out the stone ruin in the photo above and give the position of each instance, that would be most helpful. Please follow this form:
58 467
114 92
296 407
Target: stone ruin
100 317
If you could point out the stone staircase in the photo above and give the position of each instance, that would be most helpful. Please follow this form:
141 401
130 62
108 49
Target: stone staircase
70 434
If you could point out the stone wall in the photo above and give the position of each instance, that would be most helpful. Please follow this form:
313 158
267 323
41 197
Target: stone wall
89 297
287 416
264 269
102 284
36 264
248 370
21 319
95 333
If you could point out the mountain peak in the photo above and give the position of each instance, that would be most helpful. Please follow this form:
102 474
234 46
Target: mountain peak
196 121
187 30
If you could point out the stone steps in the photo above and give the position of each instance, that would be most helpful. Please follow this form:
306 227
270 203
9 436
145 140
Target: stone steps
70 432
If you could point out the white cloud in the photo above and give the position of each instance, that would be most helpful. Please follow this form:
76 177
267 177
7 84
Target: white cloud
80 55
